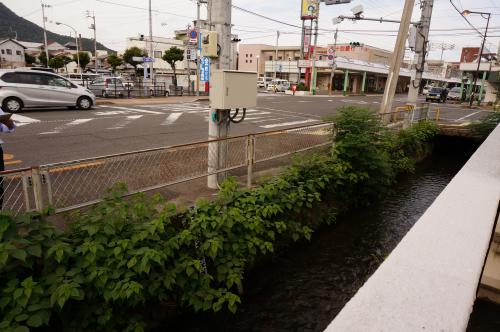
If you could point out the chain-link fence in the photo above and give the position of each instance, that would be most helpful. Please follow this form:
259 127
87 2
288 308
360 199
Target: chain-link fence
16 191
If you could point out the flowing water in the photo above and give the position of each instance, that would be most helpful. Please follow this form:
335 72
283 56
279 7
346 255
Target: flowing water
305 288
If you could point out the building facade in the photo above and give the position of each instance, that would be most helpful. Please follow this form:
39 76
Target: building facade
12 54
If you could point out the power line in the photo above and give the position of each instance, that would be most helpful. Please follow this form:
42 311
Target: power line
265 17
465 18
142 8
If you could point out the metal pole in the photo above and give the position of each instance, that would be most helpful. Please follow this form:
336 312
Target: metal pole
332 75
275 62
397 58
151 51
45 33
197 25
218 125
479 60
420 50
96 67
314 73
188 61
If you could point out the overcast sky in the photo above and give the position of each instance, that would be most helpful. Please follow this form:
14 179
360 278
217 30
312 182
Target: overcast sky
117 20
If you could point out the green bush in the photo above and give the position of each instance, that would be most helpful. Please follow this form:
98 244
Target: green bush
123 256
485 126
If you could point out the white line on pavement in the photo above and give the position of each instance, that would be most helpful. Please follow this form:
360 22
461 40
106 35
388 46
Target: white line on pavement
22 120
467 116
135 110
269 120
59 129
125 122
171 119
287 124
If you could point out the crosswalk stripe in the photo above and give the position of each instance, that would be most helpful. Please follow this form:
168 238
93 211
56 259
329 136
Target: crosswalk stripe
171 119
22 120
268 120
134 110
125 122
293 123
59 129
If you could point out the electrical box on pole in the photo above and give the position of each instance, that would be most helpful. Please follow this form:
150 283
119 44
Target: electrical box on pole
209 44
231 89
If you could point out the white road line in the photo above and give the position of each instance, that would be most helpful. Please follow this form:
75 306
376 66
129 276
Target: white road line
59 129
171 119
287 124
135 110
269 120
22 120
467 116
125 122
198 112
259 118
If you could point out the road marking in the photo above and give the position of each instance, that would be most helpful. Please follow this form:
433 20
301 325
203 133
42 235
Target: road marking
467 116
293 123
125 122
135 110
269 120
359 102
171 119
13 162
22 120
59 129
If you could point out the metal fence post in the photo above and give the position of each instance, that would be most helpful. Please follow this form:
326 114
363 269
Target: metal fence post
37 188
250 159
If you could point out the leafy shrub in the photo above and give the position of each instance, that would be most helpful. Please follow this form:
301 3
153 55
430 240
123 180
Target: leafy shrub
485 126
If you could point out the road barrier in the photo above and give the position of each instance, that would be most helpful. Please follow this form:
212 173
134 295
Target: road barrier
75 184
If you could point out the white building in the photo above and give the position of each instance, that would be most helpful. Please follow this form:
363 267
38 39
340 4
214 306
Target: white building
11 54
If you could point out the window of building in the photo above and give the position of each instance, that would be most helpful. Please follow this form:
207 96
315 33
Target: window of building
3 51
251 55
320 57
280 58
246 55
297 58
246 61
18 53
270 58
250 61
9 51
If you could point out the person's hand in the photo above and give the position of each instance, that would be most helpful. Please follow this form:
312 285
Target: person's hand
9 123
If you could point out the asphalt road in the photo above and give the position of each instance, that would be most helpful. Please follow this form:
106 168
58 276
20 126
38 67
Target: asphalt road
51 136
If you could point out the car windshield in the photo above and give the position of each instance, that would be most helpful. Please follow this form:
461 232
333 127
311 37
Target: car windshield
455 90
436 90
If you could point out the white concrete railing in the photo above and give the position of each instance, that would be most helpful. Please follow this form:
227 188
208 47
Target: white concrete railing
429 281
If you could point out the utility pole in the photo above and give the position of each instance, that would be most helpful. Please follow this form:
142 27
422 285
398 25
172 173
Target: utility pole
218 124
332 75
421 43
198 28
45 32
397 58
93 27
276 55
188 59
313 73
151 50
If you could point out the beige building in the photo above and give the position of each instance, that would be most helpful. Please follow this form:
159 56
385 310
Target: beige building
365 53
252 57
11 54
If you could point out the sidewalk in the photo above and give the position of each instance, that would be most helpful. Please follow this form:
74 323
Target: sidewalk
150 100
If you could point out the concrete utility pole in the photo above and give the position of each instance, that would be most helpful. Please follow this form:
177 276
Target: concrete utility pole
332 75
151 50
93 27
421 43
45 32
218 124
397 58
275 62
313 72
188 58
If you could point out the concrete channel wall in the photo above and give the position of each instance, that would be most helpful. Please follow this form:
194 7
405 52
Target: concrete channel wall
429 282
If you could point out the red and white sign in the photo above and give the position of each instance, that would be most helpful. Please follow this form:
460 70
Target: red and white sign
305 63
331 51
193 36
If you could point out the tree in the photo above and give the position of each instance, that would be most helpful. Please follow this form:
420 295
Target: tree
114 61
84 59
132 52
172 55
43 58
66 60
29 59
56 62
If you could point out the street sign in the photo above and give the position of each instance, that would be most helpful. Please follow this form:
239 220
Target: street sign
148 59
331 51
193 36
205 69
137 59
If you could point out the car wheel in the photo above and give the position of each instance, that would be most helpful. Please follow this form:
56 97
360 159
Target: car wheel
12 105
84 103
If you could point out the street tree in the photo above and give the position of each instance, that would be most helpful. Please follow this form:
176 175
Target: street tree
171 56
43 59
133 52
56 62
114 61
29 59
84 59
66 60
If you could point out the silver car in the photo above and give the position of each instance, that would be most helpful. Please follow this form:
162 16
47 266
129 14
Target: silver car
108 86
32 89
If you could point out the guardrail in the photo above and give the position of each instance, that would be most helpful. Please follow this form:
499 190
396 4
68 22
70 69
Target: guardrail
75 184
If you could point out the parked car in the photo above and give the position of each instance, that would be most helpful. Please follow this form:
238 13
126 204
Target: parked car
21 89
278 86
108 86
437 94
263 82
455 94
426 89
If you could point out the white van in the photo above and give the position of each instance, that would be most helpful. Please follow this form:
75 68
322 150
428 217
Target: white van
278 86
263 82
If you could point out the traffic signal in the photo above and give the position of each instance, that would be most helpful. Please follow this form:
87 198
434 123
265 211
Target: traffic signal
356 44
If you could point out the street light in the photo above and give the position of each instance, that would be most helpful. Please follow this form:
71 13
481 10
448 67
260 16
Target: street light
465 13
77 48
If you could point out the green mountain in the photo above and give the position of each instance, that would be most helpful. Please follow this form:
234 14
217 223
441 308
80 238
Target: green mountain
30 32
